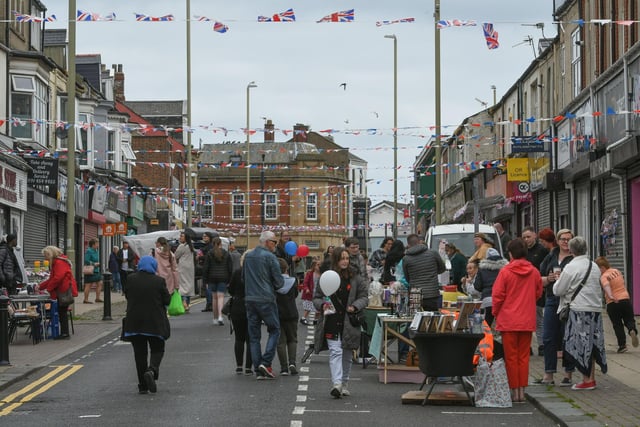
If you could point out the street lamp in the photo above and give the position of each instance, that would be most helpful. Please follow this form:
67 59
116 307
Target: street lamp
189 147
262 203
248 166
395 133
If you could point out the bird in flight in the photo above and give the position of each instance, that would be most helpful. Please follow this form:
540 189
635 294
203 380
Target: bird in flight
375 114
344 86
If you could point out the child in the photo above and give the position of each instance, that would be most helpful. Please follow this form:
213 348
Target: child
310 281
288 314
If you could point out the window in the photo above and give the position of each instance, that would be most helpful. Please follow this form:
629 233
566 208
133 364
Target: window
84 142
111 152
270 206
206 206
237 206
127 151
576 63
29 106
312 207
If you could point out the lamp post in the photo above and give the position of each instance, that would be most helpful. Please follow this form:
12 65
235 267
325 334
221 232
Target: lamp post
249 86
71 140
189 154
395 133
438 153
262 204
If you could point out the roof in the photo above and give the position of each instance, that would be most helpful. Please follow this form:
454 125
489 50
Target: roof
139 120
158 108
89 66
388 203
274 152
55 37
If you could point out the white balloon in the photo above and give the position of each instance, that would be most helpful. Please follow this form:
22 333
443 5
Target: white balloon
329 282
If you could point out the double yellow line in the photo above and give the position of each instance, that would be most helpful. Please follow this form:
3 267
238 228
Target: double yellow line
14 400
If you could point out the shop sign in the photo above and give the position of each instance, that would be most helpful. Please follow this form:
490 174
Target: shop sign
521 192
43 175
527 144
137 207
108 230
98 198
121 228
13 187
518 169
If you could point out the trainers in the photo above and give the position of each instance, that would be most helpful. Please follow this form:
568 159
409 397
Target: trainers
248 371
260 377
239 370
220 322
634 337
622 349
284 372
150 381
345 391
584 386
304 321
266 371
336 391
293 370
566 382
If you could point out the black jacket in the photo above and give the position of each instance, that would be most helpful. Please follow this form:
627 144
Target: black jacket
287 309
217 270
536 254
147 299
236 290
487 273
9 269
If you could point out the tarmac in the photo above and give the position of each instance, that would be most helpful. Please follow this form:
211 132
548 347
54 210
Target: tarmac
613 403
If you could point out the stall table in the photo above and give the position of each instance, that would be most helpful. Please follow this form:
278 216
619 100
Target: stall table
21 301
387 329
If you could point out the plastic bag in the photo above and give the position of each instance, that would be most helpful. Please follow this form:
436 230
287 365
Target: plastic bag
491 385
375 294
175 306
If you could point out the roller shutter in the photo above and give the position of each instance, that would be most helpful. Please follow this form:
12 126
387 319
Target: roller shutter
611 243
543 210
563 207
35 233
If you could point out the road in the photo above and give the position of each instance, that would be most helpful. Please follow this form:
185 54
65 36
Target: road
198 386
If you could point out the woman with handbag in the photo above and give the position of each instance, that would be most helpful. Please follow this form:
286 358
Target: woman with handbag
60 281
579 287
91 271
335 331
553 328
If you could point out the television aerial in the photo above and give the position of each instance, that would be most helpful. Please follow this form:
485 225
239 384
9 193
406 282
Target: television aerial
485 104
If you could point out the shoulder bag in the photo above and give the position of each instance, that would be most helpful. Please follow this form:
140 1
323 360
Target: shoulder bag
65 298
563 315
88 270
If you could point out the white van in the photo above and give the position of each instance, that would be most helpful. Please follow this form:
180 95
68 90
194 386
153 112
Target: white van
461 235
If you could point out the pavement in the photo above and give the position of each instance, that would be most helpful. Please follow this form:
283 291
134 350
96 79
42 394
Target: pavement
612 403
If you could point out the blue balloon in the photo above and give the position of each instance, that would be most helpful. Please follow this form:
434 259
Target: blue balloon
291 248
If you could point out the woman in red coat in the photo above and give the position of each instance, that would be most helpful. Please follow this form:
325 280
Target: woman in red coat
60 278
515 292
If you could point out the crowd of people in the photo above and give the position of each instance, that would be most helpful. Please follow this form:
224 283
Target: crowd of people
522 291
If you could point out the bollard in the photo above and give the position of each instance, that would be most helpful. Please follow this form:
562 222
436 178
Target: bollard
106 288
4 330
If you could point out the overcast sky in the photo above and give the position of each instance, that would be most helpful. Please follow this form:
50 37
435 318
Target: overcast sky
299 66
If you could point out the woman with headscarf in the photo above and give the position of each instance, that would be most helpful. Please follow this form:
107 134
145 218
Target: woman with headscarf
167 267
335 330
146 324
60 278
185 254
583 332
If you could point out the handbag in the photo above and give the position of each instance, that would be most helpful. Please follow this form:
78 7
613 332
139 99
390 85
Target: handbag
88 270
563 314
122 336
226 308
176 308
356 318
492 385
65 298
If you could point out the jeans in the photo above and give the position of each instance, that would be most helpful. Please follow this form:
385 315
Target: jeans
258 312
339 362
553 332
116 283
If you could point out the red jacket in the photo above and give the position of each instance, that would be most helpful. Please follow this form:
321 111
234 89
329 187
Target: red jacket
60 278
514 296
307 286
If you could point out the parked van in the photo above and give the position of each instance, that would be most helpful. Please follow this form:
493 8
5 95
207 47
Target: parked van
461 235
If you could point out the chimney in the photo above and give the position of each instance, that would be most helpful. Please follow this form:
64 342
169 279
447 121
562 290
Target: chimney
300 132
269 134
118 83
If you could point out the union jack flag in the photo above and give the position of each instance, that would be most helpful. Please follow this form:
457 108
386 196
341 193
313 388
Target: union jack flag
455 23
147 18
342 16
395 21
286 16
83 15
21 17
490 35
219 27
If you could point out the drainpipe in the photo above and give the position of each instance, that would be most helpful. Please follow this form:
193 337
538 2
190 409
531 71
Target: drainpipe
572 204
623 217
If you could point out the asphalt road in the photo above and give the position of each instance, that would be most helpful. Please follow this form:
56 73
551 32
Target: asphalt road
198 386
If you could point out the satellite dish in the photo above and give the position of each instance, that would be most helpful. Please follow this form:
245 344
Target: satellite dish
62 133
